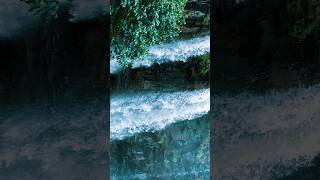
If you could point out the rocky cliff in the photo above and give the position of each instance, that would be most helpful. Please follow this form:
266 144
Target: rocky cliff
259 42
55 57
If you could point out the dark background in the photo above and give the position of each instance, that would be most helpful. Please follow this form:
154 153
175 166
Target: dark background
54 96
253 52
252 45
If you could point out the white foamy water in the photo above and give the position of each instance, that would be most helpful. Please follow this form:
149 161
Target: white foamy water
179 50
149 111
263 136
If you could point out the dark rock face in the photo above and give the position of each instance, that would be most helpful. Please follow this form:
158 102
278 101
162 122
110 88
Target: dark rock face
54 58
252 37
177 75
310 172
197 17
253 50
52 116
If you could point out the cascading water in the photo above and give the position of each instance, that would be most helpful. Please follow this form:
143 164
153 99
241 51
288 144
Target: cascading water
265 136
161 133
174 51
149 111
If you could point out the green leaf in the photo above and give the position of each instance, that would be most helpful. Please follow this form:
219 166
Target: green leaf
138 24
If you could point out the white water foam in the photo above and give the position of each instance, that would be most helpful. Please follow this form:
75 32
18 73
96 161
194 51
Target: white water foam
265 136
150 111
174 51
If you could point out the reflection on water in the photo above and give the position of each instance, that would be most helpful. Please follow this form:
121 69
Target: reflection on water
180 151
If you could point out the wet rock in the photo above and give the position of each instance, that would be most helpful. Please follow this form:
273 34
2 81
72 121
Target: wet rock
179 74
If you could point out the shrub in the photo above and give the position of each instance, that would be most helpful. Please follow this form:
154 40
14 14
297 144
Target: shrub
137 24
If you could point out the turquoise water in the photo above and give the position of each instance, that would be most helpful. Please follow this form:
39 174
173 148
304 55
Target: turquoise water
162 133
180 151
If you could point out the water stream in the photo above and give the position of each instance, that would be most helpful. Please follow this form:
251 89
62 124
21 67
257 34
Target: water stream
179 50
137 112
161 133
164 134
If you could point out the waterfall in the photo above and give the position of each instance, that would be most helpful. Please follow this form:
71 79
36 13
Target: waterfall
161 133
179 50
148 111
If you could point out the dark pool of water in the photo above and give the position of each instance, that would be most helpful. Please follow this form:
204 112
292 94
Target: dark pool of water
180 151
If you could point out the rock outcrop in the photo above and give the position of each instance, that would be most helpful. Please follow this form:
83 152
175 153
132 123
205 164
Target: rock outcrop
197 17
255 39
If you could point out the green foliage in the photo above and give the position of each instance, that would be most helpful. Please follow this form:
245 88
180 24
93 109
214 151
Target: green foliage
137 24
47 9
302 27
204 64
